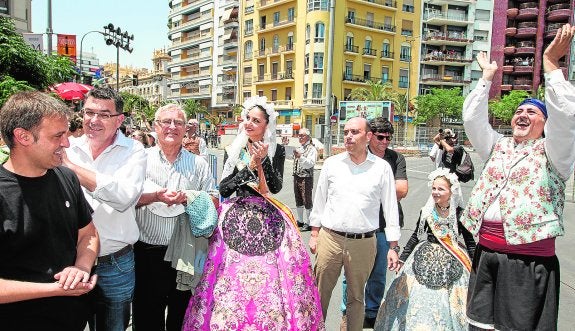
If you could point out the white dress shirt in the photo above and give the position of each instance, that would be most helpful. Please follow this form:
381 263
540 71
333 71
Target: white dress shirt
559 127
120 172
348 196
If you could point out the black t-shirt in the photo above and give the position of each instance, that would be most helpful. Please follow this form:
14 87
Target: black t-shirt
39 222
398 167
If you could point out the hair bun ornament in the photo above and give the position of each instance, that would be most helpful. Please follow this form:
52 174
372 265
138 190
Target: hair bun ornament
443 172
262 101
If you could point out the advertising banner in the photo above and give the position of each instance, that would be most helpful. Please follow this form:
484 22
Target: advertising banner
365 109
67 46
35 40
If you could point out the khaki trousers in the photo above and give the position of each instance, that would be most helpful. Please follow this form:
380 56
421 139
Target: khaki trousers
357 257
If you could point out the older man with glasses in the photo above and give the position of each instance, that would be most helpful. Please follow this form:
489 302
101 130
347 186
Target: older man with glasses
304 162
171 171
111 168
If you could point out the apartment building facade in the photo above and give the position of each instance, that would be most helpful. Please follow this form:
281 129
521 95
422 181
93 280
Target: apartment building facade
447 38
527 28
203 52
20 11
285 59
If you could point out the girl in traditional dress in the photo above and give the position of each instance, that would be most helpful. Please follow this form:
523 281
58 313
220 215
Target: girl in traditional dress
430 291
257 275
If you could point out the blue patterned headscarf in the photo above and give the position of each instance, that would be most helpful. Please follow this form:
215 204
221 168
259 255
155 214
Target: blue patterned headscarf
537 103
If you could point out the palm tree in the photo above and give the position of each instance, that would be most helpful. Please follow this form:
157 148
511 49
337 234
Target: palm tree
193 107
375 91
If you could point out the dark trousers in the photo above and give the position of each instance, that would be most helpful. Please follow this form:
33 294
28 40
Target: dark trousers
513 292
156 291
302 187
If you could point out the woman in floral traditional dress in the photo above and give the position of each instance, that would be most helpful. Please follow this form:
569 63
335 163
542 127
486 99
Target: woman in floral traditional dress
430 291
257 275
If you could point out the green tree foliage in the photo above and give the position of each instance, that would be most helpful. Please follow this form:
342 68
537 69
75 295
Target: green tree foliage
138 104
440 102
9 86
193 107
504 108
25 64
375 91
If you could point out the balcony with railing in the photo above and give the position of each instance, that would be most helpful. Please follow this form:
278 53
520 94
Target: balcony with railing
247 80
437 17
370 24
226 60
227 80
283 104
523 84
526 29
525 47
193 38
449 58
447 79
551 29
527 11
506 87
559 12
510 31
266 4
272 26
523 67
369 51
508 69
359 78
388 4
512 13
274 77
385 54
351 49
405 57
317 102
452 38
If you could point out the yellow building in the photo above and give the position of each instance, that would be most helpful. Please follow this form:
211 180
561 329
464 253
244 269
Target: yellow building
284 50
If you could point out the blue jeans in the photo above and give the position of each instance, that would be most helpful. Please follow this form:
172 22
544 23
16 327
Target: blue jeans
114 293
375 287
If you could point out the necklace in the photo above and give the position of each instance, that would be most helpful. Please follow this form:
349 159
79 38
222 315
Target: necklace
442 208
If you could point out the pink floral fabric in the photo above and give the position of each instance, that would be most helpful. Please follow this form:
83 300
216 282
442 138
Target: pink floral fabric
257 274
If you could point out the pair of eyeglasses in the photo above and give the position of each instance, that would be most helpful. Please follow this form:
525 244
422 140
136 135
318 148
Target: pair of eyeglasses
381 137
102 116
167 122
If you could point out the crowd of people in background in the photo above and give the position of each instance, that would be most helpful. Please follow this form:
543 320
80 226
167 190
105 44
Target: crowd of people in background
104 219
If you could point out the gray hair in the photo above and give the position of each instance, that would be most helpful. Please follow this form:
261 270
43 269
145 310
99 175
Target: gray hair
170 107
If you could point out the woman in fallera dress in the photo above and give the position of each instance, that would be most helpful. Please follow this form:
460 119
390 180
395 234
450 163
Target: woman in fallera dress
257 275
430 291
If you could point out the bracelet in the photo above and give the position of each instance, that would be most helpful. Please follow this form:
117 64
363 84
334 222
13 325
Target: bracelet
395 248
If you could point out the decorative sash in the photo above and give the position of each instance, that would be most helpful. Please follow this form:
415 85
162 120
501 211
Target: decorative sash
452 246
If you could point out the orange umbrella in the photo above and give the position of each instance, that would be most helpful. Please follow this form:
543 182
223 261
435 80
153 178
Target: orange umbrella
71 90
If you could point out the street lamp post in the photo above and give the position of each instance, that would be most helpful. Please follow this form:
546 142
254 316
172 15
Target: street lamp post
410 40
115 37
81 42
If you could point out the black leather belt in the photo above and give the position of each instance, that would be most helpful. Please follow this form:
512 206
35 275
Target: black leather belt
108 258
354 235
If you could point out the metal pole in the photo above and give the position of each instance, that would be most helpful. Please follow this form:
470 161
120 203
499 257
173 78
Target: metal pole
328 97
49 31
81 43
117 68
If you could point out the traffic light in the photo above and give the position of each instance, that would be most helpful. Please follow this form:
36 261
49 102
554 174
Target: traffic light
134 80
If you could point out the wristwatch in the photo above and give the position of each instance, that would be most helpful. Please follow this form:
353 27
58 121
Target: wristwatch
395 248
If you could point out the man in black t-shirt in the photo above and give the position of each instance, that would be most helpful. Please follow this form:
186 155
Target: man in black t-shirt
48 243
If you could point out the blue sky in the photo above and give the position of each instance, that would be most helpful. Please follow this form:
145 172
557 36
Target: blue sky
146 20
